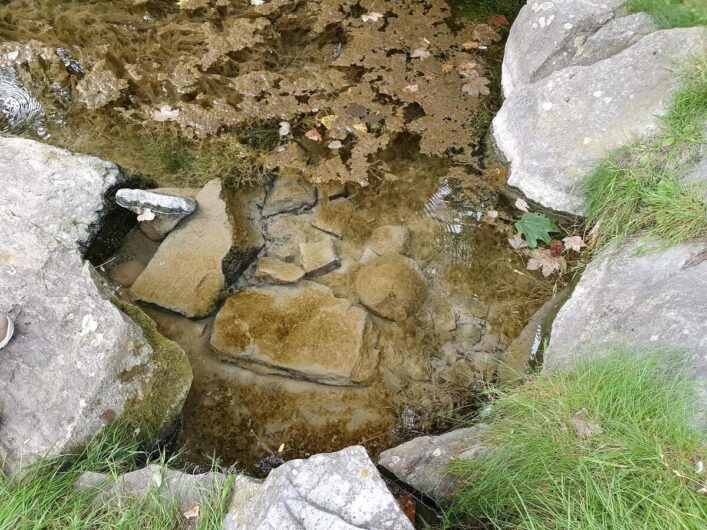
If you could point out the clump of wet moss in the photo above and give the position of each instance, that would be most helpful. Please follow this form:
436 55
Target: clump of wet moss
167 378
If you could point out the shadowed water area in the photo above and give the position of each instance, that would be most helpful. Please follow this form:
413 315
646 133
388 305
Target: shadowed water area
375 122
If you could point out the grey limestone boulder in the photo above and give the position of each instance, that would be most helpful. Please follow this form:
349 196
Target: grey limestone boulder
335 491
424 462
653 301
581 79
76 362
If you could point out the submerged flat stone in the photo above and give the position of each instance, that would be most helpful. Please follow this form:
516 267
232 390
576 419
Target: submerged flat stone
186 274
303 332
278 272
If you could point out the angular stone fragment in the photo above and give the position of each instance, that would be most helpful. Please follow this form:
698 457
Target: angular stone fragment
391 286
187 273
333 217
424 462
126 273
319 257
335 491
287 195
302 331
76 362
278 272
158 213
389 238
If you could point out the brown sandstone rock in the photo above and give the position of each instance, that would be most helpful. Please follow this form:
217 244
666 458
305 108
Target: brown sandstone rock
319 257
126 273
391 286
278 272
302 331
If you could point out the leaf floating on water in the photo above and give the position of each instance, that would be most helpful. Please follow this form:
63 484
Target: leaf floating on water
371 17
336 144
476 86
284 129
468 69
575 243
546 263
498 21
485 34
165 113
521 205
534 227
556 248
421 53
410 88
470 45
313 135
517 242
493 214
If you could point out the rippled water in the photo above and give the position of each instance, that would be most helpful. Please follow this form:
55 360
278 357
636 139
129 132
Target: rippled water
20 112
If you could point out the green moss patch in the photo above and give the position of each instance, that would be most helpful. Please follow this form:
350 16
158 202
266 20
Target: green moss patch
166 379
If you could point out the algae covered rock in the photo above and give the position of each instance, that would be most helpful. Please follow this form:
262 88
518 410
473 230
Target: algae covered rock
302 331
391 286
76 362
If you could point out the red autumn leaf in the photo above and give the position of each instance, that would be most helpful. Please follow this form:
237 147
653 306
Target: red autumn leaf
498 21
556 248
407 505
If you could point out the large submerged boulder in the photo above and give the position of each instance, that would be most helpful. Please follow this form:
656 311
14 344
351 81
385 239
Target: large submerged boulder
652 302
336 491
76 361
581 79
302 331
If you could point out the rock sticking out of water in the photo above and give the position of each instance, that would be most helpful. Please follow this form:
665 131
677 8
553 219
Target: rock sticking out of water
303 332
158 212
187 274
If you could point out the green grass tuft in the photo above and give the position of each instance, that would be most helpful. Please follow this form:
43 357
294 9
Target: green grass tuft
44 497
672 13
638 188
636 472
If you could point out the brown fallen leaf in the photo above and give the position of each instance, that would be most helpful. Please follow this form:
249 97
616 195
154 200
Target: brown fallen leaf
497 21
411 88
517 242
467 69
407 505
521 205
470 45
371 17
556 248
544 261
313 135
193 512
447 67
574 243
583 427
476 86
485 34
421 53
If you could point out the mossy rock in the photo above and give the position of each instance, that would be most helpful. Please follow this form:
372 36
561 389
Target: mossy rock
164 381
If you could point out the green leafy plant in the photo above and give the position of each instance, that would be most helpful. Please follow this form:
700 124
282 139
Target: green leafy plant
534 227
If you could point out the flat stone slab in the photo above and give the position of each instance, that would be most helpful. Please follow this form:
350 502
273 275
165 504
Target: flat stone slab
334 491
579 82
424 462
303 332
643 302
64 375
319 257
186 274
278 272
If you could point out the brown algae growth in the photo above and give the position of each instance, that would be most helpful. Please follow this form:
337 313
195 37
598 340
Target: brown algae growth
380 111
